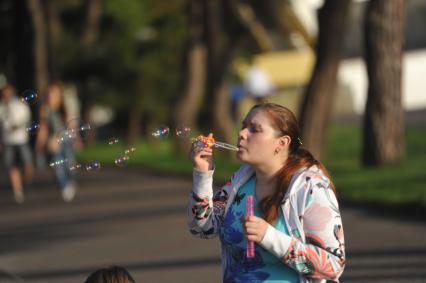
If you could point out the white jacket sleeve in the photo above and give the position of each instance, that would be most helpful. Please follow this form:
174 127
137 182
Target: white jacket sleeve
322 255
205 211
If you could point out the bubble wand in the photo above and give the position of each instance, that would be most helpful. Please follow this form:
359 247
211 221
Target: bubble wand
209 141
250 212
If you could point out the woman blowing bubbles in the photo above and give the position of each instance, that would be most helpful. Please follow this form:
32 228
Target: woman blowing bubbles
296 227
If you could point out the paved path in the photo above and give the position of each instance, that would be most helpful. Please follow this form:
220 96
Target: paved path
127 217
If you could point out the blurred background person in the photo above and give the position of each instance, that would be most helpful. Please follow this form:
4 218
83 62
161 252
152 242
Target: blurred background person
257 84
53 126
15 117
72 107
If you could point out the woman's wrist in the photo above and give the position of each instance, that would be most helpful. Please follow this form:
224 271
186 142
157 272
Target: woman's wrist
202 182
201 169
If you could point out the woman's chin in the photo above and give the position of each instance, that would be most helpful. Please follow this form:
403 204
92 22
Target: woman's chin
240 156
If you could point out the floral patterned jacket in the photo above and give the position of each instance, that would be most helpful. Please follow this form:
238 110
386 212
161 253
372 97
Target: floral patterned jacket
315 248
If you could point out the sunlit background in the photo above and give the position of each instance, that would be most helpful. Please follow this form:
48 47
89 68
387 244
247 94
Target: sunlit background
142 79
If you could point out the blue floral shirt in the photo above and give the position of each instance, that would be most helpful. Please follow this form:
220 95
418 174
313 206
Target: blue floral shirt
264 267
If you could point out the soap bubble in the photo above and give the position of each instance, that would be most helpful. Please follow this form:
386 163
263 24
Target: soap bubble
33 128
75 167
75 128
183 131
29 96
58 162
78 126
112 141
93 166
161 132
121 161
130 150
66 135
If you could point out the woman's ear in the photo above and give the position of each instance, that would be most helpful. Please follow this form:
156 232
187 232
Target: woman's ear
285 141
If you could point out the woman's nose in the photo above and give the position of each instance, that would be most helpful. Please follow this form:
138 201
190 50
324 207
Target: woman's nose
242 133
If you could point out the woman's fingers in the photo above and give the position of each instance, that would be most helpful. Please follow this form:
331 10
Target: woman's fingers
254 228
252 231
201 156
252 220
198 150
251 227
253 238
203 153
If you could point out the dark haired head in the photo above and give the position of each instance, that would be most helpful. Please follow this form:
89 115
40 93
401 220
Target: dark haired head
113 274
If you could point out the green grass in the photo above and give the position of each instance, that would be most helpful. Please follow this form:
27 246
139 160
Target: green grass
397 184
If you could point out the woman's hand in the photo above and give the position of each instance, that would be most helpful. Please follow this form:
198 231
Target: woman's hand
254 228
201 156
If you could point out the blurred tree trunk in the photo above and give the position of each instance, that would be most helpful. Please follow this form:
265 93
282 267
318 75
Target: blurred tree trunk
222 120
189 105
91 31
40 45
221 46
134 130
247 18
88 38
318 100
384 136
24 63
54 22
287 22
54 25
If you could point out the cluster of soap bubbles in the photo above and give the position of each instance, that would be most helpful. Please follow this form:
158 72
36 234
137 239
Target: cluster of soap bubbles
184 132
123 158
120 161
91 166
164 131
112 141
181 132
76 128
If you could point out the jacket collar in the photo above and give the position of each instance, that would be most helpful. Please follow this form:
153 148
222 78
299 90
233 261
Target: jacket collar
243 174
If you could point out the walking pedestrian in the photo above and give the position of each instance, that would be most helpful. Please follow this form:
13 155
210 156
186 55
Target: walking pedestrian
15 117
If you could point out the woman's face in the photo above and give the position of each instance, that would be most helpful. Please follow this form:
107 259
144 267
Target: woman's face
54 98
8 94
257 140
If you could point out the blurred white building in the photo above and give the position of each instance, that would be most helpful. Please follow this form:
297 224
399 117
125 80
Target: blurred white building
352 73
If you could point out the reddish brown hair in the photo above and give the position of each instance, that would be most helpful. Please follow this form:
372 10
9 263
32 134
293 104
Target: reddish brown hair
113 274
283 120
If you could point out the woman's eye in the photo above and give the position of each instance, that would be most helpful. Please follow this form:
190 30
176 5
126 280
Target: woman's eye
253 129
250 128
